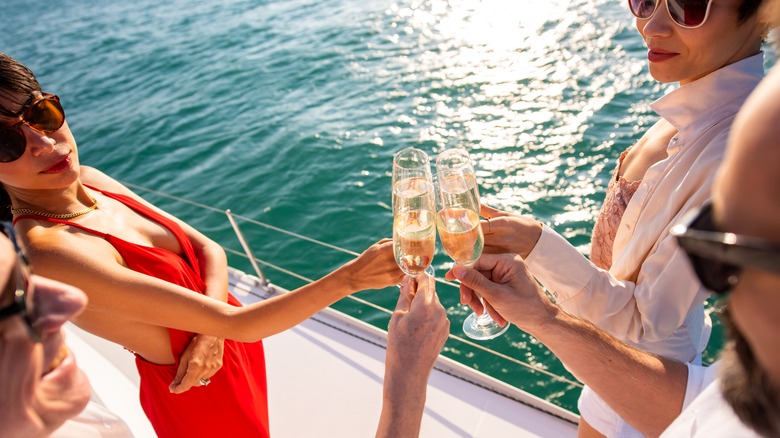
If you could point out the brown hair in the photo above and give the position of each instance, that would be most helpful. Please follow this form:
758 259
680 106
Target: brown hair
15 80
748 8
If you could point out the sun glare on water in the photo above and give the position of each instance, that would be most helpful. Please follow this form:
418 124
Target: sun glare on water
516 82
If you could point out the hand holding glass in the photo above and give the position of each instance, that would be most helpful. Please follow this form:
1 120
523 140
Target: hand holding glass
457 220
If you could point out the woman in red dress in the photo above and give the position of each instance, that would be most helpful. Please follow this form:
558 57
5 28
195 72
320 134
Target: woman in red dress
155 285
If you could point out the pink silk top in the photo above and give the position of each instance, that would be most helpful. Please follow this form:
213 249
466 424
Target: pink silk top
619 193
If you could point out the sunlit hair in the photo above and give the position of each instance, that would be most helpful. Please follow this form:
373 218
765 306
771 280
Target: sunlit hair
16 81
746 386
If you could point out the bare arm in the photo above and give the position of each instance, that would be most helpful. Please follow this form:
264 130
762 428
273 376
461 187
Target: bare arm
416 334
645 390
203 356
91 264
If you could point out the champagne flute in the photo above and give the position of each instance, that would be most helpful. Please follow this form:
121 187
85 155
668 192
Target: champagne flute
414 231
457 197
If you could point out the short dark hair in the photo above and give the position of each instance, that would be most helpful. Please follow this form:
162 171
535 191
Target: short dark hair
747 9
15 80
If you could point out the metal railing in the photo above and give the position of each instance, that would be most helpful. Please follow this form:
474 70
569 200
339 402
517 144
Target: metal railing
256 262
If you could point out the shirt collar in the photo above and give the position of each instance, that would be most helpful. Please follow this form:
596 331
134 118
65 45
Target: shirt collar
696 106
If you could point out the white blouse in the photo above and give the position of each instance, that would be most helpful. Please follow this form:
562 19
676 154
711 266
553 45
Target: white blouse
650 297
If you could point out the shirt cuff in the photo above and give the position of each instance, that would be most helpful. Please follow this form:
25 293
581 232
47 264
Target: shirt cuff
699 378
557 264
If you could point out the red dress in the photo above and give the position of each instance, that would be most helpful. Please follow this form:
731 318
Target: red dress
235 404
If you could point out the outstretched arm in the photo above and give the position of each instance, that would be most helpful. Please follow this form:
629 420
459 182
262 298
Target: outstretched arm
116 291
645 390
416 334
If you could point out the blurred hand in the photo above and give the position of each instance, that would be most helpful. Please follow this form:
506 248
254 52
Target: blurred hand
508 233
418 328
200 360
511 292
375 268
415 336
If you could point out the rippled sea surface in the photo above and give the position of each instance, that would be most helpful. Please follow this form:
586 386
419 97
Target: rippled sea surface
289 113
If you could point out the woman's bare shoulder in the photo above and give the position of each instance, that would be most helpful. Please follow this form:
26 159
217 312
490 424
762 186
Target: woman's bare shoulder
96 178
41 237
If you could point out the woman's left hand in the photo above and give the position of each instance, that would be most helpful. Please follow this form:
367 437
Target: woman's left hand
375 268
509 233
198 363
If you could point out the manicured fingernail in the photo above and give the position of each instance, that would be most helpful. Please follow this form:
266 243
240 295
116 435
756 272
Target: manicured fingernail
458 271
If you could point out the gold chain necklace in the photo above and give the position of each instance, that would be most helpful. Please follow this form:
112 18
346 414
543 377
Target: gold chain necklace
94 205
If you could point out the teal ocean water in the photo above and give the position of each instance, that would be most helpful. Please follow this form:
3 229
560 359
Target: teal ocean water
289 113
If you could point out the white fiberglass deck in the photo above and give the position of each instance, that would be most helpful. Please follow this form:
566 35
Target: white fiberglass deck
324 382
325 379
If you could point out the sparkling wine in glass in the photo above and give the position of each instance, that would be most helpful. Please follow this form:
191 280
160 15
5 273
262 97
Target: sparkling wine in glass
457 220
414 223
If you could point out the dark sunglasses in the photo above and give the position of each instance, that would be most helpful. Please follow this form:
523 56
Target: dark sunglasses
20 287
718 257
45 115
689 14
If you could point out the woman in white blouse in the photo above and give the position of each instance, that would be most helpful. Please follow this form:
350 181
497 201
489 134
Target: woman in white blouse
637 284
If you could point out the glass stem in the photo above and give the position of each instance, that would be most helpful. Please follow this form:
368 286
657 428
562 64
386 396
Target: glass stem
484 319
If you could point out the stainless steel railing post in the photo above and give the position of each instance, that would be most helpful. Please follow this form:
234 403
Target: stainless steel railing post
245 245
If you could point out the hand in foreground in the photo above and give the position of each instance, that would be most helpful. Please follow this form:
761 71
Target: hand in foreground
418 328
508 233
511 292
415 336
199 362
375 268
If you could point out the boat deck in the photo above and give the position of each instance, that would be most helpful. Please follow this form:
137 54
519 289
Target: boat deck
325 379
